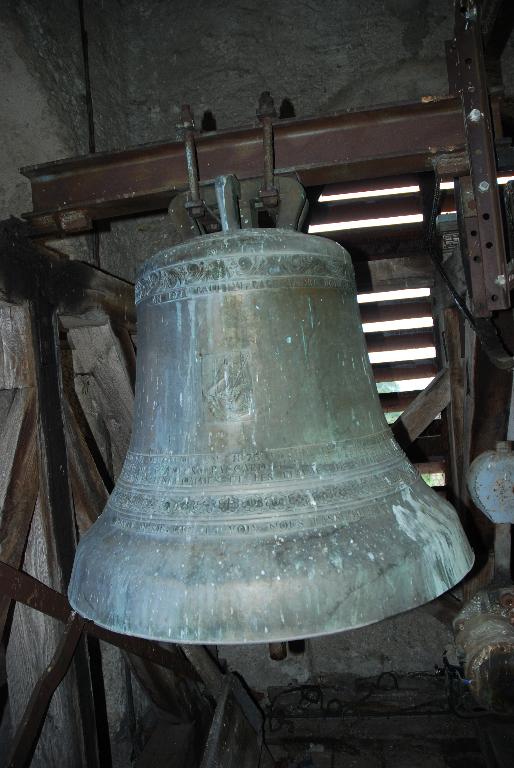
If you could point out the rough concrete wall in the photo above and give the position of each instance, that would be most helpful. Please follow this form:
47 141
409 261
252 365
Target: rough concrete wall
110 56
42 112
42 115
321 55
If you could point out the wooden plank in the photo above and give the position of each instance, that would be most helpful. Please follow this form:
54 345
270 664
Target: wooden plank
394 274
235 740
57 507
73 287
29 727
396 401
31 639
89 492
452 352
16 369
381 312
426 449
104 386
383 342
76 288
19 482
407 372
486 411
423 409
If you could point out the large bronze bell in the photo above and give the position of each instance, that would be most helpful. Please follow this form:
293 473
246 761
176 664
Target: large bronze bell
263 497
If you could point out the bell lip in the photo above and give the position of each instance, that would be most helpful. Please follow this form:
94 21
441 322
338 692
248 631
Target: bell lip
156 261
458 552
275 638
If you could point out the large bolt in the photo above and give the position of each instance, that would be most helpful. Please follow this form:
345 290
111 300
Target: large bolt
483 186
474 116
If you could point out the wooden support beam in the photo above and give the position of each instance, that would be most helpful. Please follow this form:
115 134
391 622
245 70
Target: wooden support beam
19 482
57 508
89 492
451 333
382 342
16 364
76 288
30 725
423 410
404 372
405 310
72 287
104 386
394 274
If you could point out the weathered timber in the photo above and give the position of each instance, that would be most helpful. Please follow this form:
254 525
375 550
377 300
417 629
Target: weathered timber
19 482
32 638
427 448
380 313
381 342
16 369
394 274
89 492
56 501
454 361
403 372
486 414
236 734
423 409
31 723
76 288
28 270
19 479
104 387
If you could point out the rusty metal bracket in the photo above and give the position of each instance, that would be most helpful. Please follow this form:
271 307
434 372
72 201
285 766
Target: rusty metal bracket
487 244
266 112
482 326
290 212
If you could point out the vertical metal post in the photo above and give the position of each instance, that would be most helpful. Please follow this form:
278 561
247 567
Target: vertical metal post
472 87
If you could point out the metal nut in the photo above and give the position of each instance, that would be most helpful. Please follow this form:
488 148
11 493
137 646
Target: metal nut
474 116
483 186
